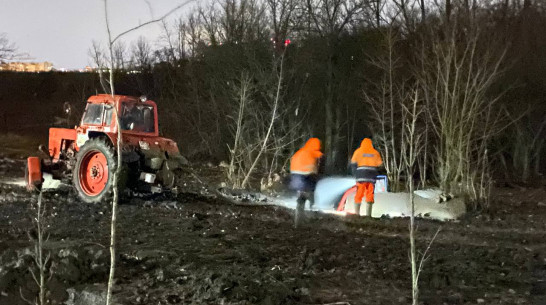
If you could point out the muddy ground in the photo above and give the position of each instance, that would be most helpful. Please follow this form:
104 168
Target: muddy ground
198 250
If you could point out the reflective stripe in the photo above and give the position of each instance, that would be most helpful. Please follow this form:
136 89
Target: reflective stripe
368 155
367 167
366 174
301 172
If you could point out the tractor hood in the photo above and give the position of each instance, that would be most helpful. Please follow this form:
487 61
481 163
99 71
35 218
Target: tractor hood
151 143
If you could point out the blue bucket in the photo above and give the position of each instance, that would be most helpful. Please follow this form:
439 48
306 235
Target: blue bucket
381 184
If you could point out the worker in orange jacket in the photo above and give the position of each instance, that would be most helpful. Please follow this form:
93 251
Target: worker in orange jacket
365 162
305 166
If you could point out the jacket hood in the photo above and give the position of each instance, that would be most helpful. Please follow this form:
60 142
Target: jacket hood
366 144
312 144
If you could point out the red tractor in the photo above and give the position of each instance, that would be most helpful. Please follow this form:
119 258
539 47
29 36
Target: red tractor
88 152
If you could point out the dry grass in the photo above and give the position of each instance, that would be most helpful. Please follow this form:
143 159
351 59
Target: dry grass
17 146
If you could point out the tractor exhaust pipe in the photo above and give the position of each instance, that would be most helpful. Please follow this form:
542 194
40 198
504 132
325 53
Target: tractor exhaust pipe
44 150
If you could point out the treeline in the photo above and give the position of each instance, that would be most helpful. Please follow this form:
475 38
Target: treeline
247 81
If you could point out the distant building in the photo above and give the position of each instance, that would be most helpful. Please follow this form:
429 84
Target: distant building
26 66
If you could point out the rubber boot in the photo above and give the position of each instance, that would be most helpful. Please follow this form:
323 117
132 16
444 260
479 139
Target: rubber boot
311 200
369 206
357 209
300 207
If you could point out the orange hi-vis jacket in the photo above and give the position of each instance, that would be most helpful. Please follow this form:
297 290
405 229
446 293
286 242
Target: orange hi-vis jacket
305 160
367 160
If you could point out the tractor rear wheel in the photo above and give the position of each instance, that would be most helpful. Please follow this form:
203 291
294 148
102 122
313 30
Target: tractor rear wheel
93 176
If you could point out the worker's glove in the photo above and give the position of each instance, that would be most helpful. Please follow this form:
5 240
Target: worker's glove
321 165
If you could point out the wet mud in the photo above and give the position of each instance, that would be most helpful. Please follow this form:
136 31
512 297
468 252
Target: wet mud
195 249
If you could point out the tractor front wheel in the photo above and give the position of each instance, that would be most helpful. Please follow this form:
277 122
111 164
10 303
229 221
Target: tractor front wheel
93 176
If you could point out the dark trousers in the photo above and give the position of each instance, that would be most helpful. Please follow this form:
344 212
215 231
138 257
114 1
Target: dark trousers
305 186
303 183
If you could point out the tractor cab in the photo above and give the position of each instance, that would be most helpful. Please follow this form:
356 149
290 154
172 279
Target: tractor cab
136 116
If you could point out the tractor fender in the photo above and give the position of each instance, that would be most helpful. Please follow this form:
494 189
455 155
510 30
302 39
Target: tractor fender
97 134
83 136
129 155
81 139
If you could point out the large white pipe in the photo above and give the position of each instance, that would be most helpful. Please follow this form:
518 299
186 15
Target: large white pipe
329 191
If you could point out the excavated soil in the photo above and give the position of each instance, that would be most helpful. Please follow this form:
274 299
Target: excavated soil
200 250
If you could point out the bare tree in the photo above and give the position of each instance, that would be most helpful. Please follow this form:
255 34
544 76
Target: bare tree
526 151
423 8
142 58
377 9
242 21
231 22
111 48
210 19
117 172
99 59
263 124
412 147
120 56
456 77
254 132
405 9
328 20
8 50
173 49
448 9
190 34
281 14
275 103
413 144
243 92
40 258
386 117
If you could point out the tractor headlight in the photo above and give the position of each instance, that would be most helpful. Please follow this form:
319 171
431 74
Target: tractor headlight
144 145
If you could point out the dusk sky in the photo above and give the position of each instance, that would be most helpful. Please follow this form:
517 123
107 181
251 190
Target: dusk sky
62 31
